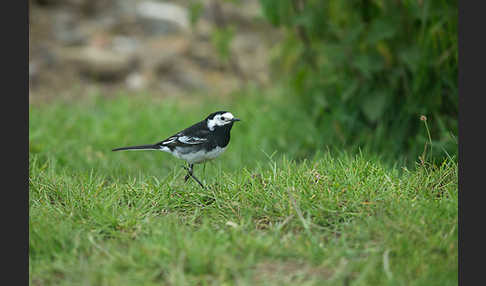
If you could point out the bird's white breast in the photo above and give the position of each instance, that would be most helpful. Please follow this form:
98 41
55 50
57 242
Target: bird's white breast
199 156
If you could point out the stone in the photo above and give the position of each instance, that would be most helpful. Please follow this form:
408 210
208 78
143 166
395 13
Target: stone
157 51
136 81
183 74
205 55
33 73
161 18
124 44
99 64
66 31
251 47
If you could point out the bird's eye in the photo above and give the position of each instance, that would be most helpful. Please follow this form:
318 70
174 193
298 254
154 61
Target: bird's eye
223 118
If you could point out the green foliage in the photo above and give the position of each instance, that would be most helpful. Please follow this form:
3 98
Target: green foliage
195 10
366 70
221 38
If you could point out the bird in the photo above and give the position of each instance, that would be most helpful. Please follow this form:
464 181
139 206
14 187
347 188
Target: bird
198 143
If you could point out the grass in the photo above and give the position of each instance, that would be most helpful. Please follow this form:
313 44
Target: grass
275 213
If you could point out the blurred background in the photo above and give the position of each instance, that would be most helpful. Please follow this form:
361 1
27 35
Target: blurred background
165 47
347 74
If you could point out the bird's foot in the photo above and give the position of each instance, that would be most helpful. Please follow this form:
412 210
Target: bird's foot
190 174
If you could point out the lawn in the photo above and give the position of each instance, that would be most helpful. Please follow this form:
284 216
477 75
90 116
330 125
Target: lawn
281 208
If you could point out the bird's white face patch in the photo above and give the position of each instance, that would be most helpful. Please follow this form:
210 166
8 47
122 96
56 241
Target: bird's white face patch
220 120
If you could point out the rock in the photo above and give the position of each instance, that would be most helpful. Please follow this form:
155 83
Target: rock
245 14
160 18
182 73
157 51
136 81
123 44
99 64
203 30
90 7
251 47
66 31
204 54
144 44
33 73
41 59
184 76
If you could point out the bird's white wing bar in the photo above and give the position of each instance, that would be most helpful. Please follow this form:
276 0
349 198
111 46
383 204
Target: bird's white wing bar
169 140
191 140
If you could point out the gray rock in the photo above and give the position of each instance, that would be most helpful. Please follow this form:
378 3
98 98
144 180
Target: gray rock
33 73
124 44
99 64
252 48
182 74
89 7
136 81
205 55
160 18
245 14
157 51
66 31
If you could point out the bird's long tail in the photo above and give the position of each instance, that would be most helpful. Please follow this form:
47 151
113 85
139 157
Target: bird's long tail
140 147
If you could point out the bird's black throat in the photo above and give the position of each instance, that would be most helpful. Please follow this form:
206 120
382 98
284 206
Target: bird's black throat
222 134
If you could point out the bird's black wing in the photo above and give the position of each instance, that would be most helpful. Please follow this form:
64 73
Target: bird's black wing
193 135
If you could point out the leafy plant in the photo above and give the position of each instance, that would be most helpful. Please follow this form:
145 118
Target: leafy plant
366 70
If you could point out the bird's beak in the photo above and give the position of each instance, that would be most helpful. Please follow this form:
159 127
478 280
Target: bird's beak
235 119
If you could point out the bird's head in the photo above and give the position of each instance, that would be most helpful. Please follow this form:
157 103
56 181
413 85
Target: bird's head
220 119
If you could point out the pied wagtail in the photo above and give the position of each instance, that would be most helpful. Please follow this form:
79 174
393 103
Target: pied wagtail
198 143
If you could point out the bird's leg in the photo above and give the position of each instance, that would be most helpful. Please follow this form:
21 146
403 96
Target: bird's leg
194 177
190 174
